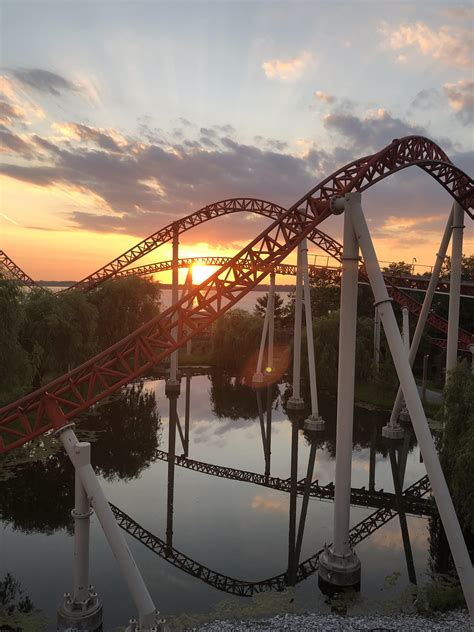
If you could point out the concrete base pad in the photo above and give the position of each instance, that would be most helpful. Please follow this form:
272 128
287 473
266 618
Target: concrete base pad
393 432
77 618
316 424
258 380
339 572
172 388
295 403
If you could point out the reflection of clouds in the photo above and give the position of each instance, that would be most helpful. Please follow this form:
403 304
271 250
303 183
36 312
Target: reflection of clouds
270 503
390 537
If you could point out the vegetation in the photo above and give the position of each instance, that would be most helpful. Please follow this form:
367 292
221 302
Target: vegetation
458 442
17 612
235 340
44 335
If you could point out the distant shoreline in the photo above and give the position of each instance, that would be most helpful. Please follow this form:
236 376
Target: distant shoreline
167 286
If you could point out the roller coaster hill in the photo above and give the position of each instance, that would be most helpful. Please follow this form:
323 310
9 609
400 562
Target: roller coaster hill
55 405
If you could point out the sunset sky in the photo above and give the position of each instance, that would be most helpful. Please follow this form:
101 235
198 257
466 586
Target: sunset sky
118 117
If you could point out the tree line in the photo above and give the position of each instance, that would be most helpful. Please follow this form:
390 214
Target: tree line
44 334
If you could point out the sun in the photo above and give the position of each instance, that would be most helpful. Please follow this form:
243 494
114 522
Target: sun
201 273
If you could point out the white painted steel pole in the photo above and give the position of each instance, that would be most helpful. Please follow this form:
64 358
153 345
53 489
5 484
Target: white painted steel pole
345 388
297 331
376 340
174 299
425 310
454 288
81 514
415 408
138 590
263 340
309 331
271 320
406 329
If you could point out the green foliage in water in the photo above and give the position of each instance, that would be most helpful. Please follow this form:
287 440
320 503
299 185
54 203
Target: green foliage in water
17 612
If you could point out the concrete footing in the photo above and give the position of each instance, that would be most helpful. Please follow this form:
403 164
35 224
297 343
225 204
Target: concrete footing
85 616
394 432
295 403
258 380
172 388
316 424
337 573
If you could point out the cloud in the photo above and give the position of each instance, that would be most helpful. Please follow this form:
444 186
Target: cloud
426 99
324 97
270 503
461 99
452 46
10 113
371 132
106 139
11 143
286 69
145 185
44 81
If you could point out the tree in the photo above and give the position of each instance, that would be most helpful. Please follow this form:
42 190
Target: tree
234 340
123 305
467 267
458 442
260 308
58 332
15 368
400 268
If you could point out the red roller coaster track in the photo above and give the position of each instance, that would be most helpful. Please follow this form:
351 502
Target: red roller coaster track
136 354
16 271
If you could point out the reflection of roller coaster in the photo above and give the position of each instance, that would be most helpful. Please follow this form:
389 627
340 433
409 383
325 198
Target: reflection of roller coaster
358 533
359 496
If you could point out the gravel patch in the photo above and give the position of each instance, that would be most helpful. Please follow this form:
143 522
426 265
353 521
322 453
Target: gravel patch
457 621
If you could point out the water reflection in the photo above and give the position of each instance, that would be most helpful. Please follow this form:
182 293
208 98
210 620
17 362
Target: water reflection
128 429
126 433
274 530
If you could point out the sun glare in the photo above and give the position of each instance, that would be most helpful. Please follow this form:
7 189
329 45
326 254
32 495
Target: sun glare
201 273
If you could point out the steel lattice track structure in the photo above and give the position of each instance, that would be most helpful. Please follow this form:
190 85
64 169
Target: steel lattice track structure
329 273
359 496
137 353
227 584
16 271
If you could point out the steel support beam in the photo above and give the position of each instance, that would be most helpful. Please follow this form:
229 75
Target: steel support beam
420 425
296 402
454 288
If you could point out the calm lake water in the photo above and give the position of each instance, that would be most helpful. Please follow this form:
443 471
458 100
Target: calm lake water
237 528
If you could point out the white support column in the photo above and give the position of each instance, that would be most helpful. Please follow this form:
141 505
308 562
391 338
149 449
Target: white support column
314 422
172 384
271 323
425 310
393 430
296 402
376 340
148 615
454 289
83 608
258 377
339 565
420 425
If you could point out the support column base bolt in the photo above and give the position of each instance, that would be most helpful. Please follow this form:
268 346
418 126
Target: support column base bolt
85 615
172 388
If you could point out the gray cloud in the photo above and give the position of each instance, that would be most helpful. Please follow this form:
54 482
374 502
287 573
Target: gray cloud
10 113
372 132
44 81
461 99
426 99
11 143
